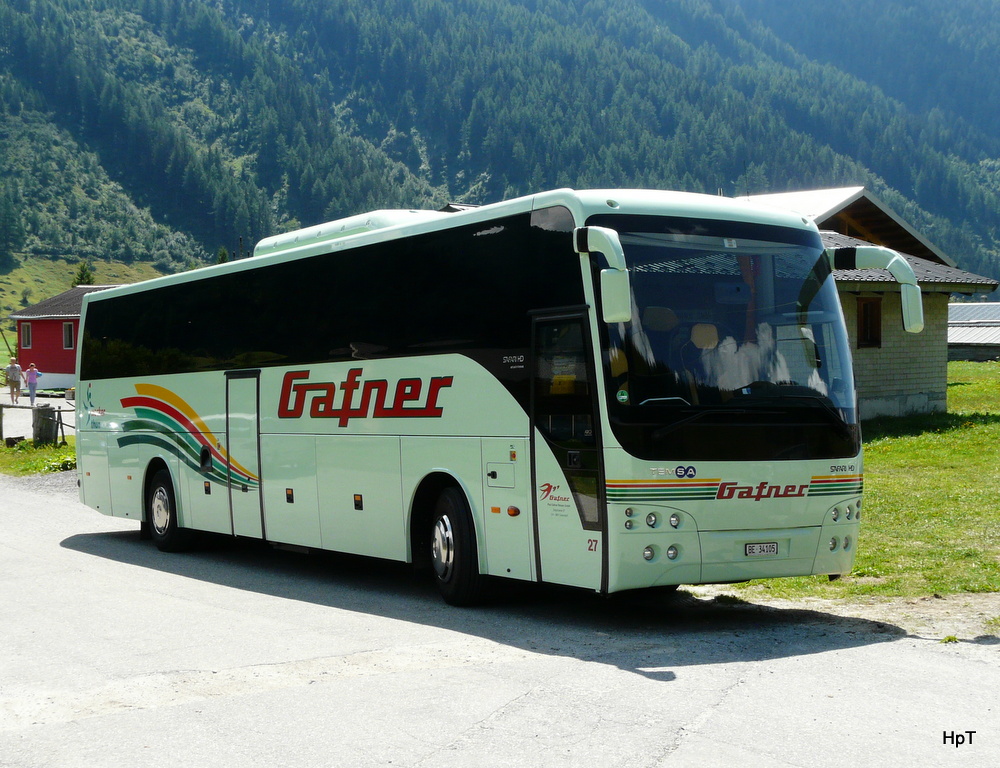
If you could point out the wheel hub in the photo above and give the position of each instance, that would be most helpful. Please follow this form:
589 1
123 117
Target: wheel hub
159 509
443 548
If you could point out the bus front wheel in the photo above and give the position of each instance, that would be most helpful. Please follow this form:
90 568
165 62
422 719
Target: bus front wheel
453 550
161 514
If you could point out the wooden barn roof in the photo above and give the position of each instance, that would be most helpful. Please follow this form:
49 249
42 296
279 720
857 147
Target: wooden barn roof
856 212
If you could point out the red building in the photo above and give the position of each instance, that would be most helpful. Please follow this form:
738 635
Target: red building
47 336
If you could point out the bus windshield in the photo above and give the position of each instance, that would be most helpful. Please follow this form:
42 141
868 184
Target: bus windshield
736 346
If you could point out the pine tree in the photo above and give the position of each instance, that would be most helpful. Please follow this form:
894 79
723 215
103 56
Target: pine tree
11 229
84 275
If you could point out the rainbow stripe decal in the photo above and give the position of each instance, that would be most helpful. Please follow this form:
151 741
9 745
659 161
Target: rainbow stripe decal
166 421
634 491
836 485
690 489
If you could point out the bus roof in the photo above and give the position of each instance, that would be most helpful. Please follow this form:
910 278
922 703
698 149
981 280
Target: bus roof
352 225
582 204
385 225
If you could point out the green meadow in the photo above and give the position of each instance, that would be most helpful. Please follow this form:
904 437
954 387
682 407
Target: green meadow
931 520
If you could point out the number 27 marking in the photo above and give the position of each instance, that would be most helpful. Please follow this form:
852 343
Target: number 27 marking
591 545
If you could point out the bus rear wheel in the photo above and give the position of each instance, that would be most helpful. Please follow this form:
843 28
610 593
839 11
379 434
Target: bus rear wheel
161 515
453 550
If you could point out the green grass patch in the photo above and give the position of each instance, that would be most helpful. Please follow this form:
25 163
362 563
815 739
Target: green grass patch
28 459
930 511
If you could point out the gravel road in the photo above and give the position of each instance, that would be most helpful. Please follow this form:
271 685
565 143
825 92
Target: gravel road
113 654
17 419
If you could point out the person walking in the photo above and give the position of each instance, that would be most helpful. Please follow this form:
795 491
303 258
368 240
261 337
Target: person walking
13 372
31 377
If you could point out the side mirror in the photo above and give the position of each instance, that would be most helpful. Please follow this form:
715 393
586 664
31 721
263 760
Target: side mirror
913 308
616 296
615 287
877 257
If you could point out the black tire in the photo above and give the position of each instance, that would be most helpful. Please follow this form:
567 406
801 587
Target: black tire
453 550
161 515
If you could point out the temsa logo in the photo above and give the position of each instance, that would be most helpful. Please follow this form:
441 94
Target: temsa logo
410 398
760 491
549 493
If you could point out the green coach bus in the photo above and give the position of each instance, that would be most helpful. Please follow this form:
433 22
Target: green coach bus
607 389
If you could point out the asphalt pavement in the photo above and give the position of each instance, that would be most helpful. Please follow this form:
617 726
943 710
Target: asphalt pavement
236 654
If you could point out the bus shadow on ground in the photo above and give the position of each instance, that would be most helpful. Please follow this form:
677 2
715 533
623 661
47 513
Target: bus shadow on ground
643 632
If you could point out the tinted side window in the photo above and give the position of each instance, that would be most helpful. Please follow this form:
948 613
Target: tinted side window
467 290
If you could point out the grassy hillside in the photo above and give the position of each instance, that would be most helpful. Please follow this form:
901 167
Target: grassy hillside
40 278
147 130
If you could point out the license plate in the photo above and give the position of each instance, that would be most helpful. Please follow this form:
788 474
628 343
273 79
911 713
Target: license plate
761 549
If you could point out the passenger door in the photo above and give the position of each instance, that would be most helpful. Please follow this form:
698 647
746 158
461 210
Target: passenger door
243 453
566 454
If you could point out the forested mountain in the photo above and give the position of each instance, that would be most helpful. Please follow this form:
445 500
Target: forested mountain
164 130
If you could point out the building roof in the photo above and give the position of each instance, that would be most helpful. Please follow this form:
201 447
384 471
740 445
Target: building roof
816 204
968 313
66 305
930 275
857 212
974 323
974 335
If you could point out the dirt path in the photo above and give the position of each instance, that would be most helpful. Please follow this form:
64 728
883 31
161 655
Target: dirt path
967 617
